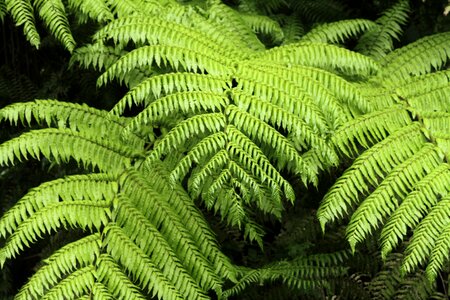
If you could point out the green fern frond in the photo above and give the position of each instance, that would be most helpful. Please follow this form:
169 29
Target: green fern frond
431 229
96 9
303 273
370 128
338 32
163 55
427 93
156 86
371 165
3 10
60 145
320 55
110 273
142 30
414 207
378 41
81 253
235 25
85 214
396 185
54 16
98 56
75 187
292 27
428 53
77 117
189 246
22 13
265 25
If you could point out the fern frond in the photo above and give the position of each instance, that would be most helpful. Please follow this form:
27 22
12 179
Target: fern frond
97 55
60 145
153 30
367 169
96 9
156 86
427 93
76 284
321 55
428 53
414 207
175 195
396 185
63 114
3 10
81 253
184 102
317 105
79 213
142 232
22 13
52 12
75 187
265 25
292 27
200 124
187 245
116 281
253 127
427 233
303 273
235 25
378 40
370 128
338 32
163 55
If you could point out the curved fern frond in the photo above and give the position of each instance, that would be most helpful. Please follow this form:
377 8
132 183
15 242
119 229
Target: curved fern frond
428 53
23 14
321 55
81 253
383 201
338 32
378 40
303 273
95 9
436 222
54 16
84 214
154 87
265 25
75 187
370 128
60 145
80 118
367 169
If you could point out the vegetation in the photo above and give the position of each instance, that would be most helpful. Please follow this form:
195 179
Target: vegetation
224 150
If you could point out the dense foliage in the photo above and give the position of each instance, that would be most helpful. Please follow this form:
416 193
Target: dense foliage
224 149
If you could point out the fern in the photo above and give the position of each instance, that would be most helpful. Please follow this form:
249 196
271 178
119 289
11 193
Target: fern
378 40
102 205
402 174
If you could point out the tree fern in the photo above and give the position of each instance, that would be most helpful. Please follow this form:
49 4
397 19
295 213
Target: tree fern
402 176
203 101
176 266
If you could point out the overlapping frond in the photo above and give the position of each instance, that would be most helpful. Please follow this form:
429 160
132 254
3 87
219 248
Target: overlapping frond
420 57
400 183
338 32
379 40
304 273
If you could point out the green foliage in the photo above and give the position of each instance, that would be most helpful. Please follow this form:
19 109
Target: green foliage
234 119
